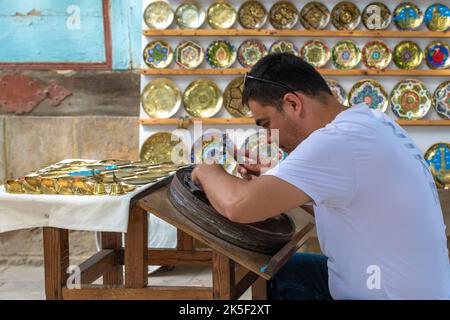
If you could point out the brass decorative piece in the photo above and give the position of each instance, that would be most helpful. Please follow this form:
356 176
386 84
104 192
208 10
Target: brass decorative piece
232 99
376 55
346 55
202 99
158 15
14 186
314 16
338 91
441 100
376 16
345 16
190 15
161 98
408 16
221 15
437 17
252 15
116 187
283 15
370 92
316 53
163 147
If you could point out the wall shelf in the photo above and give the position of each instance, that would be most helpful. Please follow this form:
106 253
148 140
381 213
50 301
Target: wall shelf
324 72
250 121
295 33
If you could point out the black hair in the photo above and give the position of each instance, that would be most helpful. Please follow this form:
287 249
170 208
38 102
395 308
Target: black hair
288 70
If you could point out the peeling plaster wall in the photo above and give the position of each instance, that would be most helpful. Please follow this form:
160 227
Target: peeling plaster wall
100 118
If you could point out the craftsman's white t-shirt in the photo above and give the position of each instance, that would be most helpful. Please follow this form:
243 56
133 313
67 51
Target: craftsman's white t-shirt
378 215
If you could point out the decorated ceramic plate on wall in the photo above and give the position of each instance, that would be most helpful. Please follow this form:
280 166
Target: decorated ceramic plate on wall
190 15
215 147
202 99
158 15
338 91
220 54
408 16
232 99
250 51
281 46
189 54
158 54
161 98
410 99
376 16
376 55
159 148
437 17
437 55
257 146
438 158
314 16
371 92
283 15
441 99
316 53
252 15
221 15
407 55
345 16
346 55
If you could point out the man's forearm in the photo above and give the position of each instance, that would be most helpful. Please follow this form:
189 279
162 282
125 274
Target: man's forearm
222 188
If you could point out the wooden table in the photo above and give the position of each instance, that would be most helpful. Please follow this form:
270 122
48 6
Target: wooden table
234 269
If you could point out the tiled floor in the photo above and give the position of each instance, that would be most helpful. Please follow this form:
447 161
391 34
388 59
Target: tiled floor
27 282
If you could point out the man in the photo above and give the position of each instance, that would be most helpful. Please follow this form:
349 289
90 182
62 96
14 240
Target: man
377 210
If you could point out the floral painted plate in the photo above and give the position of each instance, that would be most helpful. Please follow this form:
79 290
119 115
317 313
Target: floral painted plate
158 54
190 15
250 51
338 91
214 147
257 146
371 92
252 15
408 16
232 99
438 158
407 55
410 99
376 16
189 54
281 46
441 99
161 98
202 99
158 15
283 15
220 54
376 55
221 15
345 16
437 17
346 55
316 53
437 55
314 16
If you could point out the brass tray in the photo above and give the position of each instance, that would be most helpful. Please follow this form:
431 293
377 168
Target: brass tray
250 52
202 99
410 99
189 54
158 54
163 147
158 15
438 158
345 16
376 16
252 15
283 15
161 98
441 100
437 17
232 99
346 55
221 15
316 53
376 55
407 55
338 91
371 92
314 16
408 16
190 15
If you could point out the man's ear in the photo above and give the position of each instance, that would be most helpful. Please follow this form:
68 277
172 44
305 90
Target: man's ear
294 102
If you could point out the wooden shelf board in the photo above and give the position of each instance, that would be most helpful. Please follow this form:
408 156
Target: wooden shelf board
296 33
324 72
250 121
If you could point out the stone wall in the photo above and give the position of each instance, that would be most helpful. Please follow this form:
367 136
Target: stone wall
99 121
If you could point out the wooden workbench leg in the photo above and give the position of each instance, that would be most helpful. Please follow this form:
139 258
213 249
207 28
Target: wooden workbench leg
223 273
184 241
259 289
56 261
113 240
136 249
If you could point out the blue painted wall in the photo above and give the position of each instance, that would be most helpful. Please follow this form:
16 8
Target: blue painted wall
69 31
